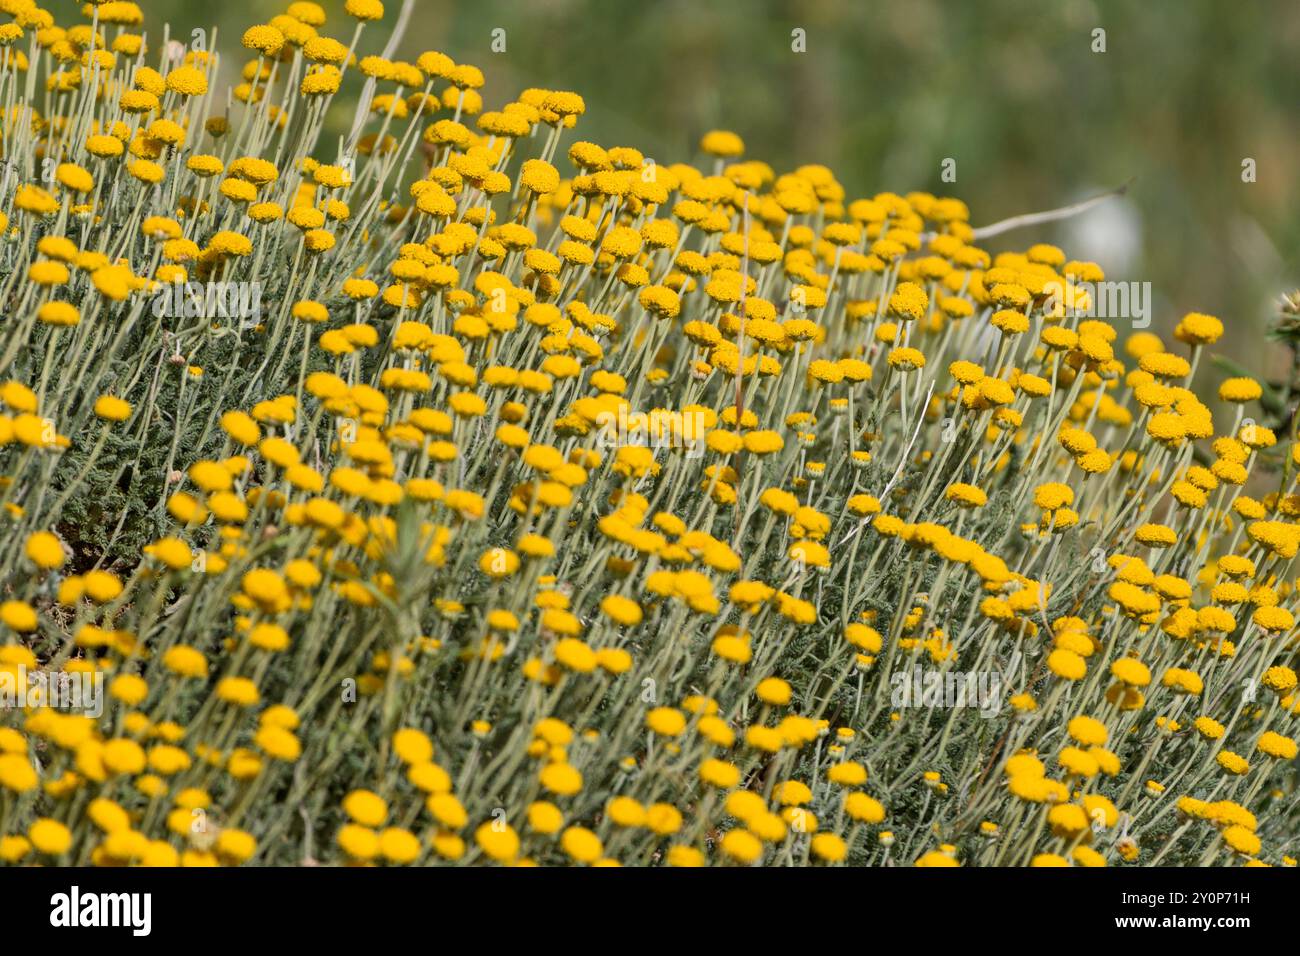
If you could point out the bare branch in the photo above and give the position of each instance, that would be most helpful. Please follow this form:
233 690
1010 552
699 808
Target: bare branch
1050 215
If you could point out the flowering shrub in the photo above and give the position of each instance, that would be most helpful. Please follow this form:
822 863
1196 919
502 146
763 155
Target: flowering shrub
434 497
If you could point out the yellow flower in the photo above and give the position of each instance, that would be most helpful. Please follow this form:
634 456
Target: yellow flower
186 661
863 808
498 841
848 773
358 842
266 40
18 615
399 846
719 773
172 552
966 495
366 808
112 409
906 359
1198 329
1277 746
741 846
773 690
581 844
666 721
50 837
1232 762
828 847
412 746
1239 390
561 779
364 9
45 551
722 143
909 301
16 773
1131 672
237 846
498 563
239 691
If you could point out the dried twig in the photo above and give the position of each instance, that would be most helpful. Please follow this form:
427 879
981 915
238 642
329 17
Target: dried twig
1050 215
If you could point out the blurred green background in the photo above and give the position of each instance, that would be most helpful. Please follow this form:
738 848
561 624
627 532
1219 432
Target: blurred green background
885 91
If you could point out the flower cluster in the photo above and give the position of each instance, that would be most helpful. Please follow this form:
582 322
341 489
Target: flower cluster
364 581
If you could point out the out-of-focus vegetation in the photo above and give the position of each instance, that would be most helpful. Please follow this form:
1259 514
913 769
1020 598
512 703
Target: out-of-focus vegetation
887 90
